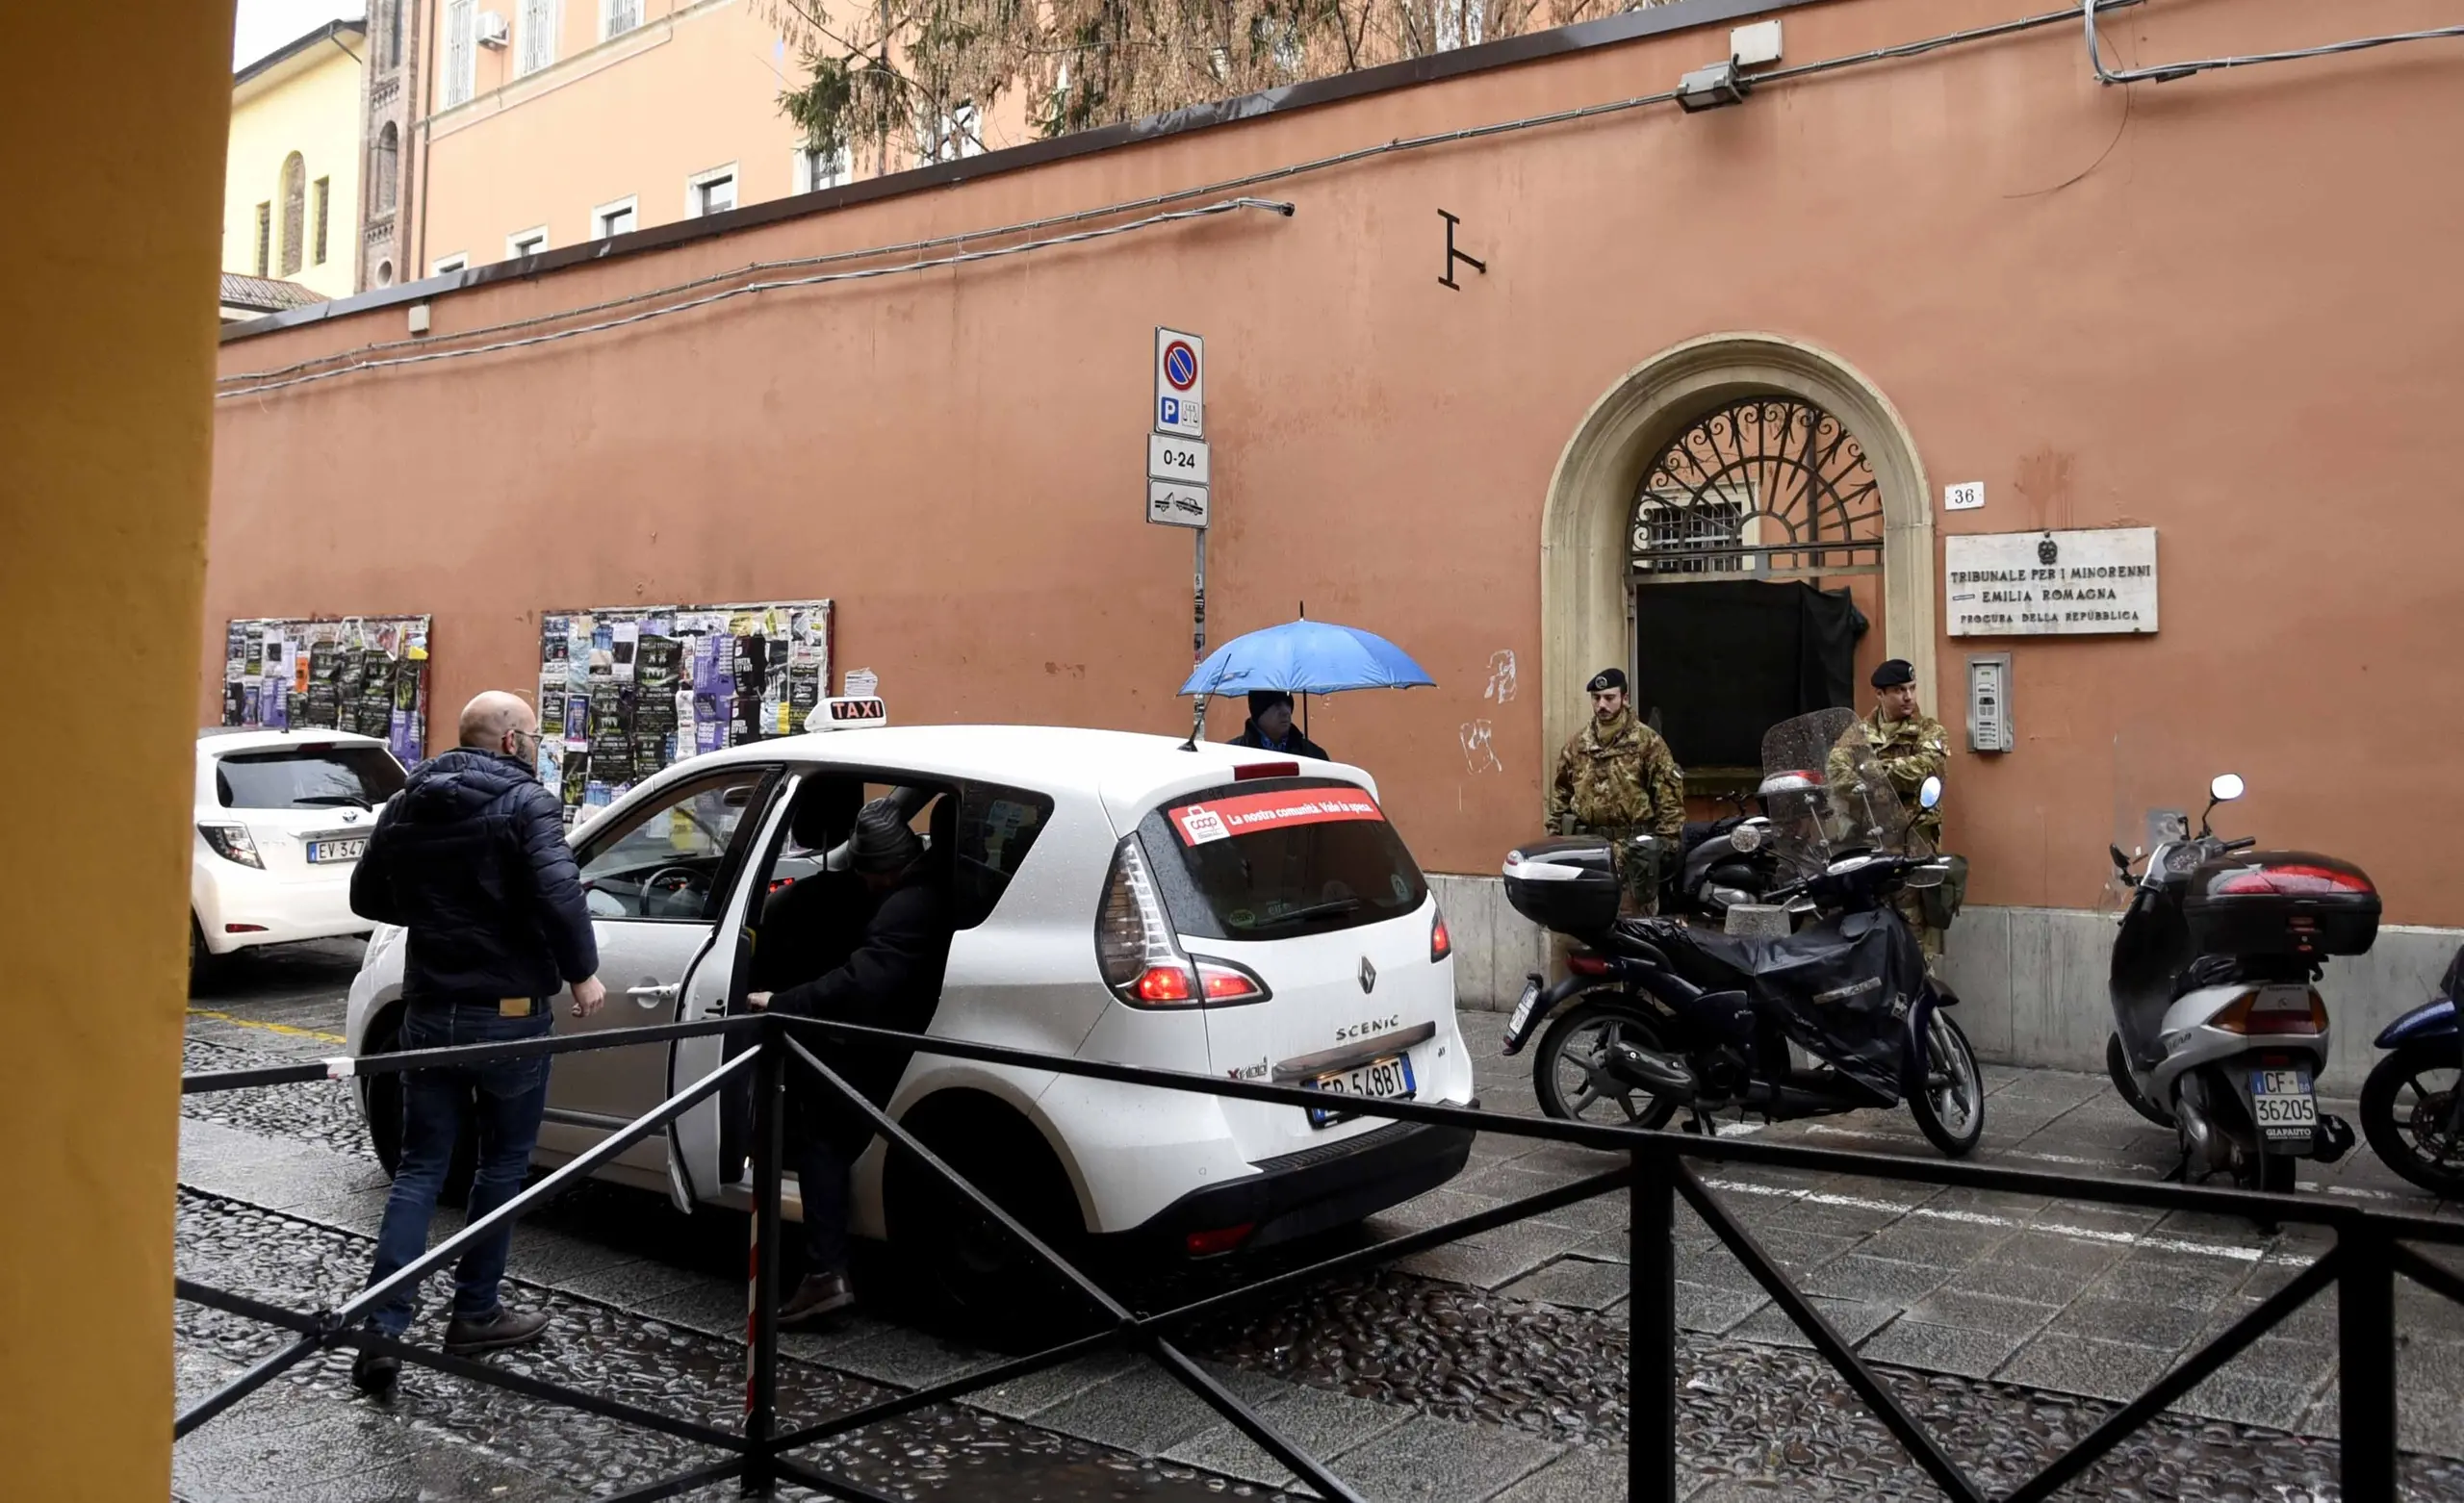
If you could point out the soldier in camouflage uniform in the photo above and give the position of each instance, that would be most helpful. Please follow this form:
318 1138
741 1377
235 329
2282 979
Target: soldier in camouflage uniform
1908 746
1618 778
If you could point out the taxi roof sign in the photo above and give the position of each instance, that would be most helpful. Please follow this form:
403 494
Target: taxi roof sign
848 712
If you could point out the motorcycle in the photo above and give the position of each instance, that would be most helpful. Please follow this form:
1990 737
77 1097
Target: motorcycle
1725 861
1659 1013
2219 1028
2412 1105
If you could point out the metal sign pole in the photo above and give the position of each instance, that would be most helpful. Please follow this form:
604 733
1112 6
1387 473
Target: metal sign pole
1197 634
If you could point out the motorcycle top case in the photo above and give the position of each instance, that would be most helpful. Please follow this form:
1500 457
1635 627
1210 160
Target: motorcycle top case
2290 903
1567 883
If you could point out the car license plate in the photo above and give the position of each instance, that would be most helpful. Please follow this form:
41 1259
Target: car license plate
1523 1010
1388 1079
345 848
2281 1104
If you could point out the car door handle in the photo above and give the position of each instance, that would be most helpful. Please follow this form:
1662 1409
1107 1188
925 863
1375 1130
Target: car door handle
653 996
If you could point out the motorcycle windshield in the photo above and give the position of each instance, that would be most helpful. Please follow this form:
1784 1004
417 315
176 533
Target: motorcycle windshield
1827 794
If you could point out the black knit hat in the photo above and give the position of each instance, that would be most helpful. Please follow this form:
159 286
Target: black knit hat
883 844
1262 701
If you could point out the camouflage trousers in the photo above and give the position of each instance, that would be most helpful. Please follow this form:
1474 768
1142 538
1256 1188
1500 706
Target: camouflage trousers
1912 907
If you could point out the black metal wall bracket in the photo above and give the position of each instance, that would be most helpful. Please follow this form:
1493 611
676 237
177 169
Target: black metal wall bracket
1453 255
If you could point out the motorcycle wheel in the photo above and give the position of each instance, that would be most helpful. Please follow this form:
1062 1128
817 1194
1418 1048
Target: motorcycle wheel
1567 1076
2402 1107
1951 1114
2117 1066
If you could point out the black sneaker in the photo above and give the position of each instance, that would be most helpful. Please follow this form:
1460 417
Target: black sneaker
820 1294
465 1336
373 1373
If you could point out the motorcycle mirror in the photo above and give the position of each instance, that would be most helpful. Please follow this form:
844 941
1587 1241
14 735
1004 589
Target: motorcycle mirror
1929 793
2121 862
2226 787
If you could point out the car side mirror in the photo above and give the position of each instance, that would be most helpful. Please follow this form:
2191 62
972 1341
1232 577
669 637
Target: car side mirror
1929 792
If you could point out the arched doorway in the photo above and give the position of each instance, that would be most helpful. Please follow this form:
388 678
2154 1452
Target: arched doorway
1698 446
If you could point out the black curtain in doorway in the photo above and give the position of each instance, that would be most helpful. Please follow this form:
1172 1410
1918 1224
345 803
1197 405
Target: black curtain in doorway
1721 664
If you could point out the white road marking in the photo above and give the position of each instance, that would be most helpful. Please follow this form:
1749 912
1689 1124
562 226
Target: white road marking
1979 1218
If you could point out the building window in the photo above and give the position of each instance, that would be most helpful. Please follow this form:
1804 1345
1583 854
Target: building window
384 273
461 52
389 166
710 193
958 134
525 242
389 32
324 188
295 211
264 239
815 171
616 17
445 265
538 39
608 220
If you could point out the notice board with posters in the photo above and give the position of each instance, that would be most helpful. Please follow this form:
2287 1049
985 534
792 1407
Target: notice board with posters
626 691
362 673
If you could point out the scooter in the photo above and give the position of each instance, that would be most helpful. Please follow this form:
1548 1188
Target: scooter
2219 1028
1726 861
2412 1105
1658 1015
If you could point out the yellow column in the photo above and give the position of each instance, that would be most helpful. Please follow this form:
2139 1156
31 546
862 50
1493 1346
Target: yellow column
111 149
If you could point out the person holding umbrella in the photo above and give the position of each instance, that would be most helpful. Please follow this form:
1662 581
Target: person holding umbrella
1270 728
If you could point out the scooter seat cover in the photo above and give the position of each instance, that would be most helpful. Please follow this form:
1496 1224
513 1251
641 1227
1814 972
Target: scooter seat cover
1839 990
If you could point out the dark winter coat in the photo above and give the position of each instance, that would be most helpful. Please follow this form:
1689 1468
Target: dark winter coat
471 858
1294 744
892 980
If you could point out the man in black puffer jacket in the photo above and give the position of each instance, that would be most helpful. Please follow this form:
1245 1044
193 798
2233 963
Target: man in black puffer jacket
471 858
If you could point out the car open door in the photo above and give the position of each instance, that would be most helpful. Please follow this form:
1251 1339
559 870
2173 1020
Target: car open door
657 878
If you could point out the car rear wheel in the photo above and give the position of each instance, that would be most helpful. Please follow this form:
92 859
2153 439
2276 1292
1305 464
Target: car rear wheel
977 1276
200 957
380 1099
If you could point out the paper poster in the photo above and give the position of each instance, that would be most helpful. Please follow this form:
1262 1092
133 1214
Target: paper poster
666 682
362 673
862 683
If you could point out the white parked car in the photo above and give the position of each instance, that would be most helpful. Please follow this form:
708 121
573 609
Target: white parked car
281 819
1117 896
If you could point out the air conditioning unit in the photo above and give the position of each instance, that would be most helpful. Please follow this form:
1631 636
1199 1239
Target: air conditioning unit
492 30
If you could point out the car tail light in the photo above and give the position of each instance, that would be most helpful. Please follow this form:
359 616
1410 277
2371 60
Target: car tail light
1441 944
2292 879
1217 1240
1249 770
1135 950
231 843
780 884
2263 1013
243 929
1222 981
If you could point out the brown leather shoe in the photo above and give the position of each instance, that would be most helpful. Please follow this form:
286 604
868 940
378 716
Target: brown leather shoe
820 1294
466 1337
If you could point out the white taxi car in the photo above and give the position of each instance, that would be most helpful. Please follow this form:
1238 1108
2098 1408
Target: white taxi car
1117 896
281 819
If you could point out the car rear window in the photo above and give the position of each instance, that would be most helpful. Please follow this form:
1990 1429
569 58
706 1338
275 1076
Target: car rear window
326 777
1281 860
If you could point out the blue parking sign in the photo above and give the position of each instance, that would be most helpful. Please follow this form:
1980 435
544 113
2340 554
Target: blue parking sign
1172 410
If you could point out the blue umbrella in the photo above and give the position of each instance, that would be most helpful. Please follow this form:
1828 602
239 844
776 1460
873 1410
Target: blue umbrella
1308 657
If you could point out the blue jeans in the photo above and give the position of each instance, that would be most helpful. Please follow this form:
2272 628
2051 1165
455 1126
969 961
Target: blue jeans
506 1099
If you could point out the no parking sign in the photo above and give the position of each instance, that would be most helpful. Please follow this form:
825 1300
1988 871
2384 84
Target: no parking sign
1180 384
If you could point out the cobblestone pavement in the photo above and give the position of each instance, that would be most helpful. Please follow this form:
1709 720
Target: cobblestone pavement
1492 1369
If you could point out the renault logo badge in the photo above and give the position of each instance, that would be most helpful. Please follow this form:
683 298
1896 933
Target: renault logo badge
1367 976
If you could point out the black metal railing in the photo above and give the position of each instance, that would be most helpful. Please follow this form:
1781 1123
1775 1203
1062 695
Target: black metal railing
2361 1265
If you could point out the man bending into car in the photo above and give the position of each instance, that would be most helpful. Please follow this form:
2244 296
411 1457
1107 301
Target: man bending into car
471 858
892 980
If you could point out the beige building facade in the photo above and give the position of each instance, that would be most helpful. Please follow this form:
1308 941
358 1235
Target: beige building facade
292 174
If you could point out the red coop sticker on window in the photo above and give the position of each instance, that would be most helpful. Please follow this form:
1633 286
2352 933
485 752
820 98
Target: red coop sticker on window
1221 819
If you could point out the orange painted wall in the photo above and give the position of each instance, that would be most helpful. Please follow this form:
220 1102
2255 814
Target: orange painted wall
2222 308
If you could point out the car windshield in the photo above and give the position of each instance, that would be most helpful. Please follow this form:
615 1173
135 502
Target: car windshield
1282 860
318 775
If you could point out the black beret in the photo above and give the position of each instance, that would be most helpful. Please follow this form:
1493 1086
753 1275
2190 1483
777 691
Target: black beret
1606 680
1893 673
